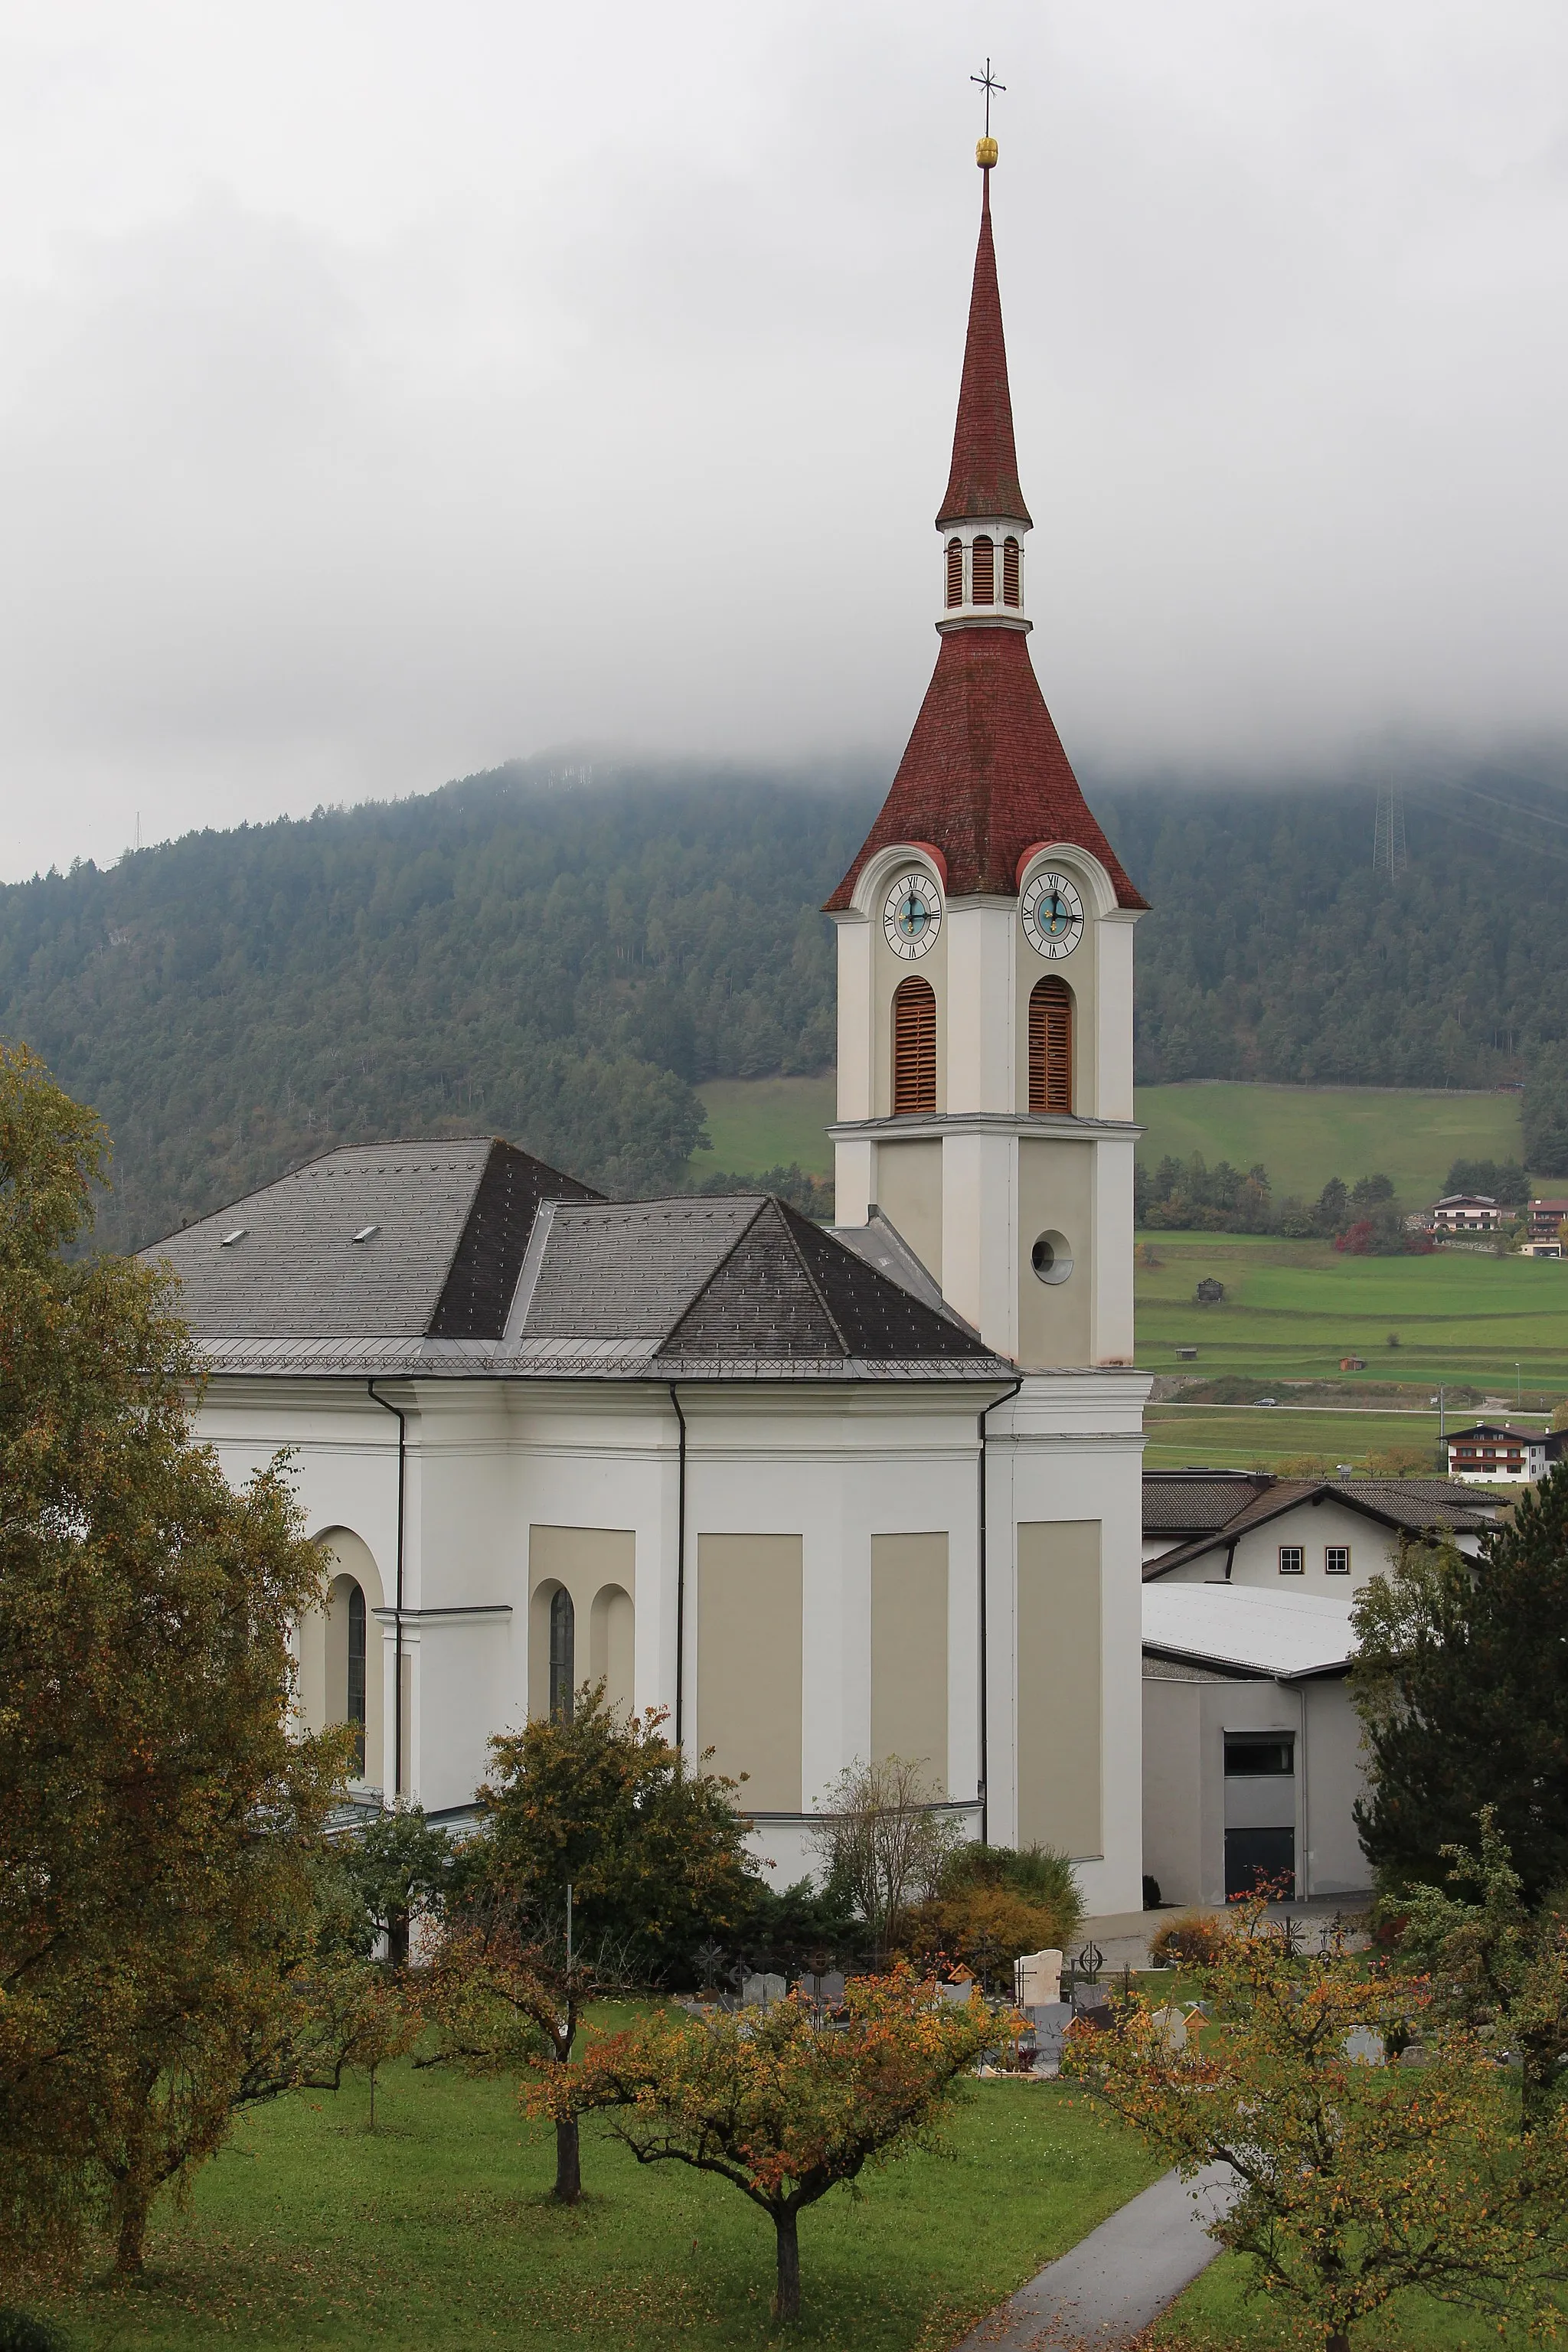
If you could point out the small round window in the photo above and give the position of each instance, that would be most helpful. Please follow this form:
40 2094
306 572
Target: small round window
1051 1257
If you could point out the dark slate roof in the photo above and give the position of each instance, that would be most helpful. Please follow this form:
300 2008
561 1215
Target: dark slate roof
1392 1502
486 1261
451 1222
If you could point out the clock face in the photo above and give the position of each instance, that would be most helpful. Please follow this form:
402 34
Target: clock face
1053 915
911 917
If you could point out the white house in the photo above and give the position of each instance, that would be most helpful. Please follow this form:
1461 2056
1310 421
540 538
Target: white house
1496 1453
1327 1535
1467 1212
1252 1756
823 1496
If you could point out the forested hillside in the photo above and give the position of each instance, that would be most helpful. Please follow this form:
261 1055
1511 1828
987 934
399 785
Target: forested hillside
1275 951
552 960
559 959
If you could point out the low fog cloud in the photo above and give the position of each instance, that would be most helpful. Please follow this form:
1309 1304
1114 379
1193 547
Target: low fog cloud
386 391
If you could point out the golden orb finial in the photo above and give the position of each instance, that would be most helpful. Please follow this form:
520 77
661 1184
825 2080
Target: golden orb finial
986 153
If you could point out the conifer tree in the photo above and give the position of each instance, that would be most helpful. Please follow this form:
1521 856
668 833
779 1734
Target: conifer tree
1463 1694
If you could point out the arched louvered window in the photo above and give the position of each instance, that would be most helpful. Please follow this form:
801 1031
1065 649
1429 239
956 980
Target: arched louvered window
562 1654
914 1046
985 567
1010 572
353 1707
1050 1046
955 572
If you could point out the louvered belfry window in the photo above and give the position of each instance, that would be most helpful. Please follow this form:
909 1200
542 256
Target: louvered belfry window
984 566
955 572
1010 572
1050 1046
914 1047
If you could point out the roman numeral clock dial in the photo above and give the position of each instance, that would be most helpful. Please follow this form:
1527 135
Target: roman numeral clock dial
1053 915
911 917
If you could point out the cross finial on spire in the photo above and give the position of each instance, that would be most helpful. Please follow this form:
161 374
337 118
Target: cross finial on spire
987 83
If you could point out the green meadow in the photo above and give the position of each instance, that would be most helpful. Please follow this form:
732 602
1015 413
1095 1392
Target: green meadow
758 1123
1253 1437
1303 1135
1292 1310
435 2234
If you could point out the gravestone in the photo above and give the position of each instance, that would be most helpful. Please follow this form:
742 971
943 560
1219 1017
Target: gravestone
1038 1979
1364 2047
1170 2024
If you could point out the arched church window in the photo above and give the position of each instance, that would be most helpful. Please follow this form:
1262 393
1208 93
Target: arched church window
914 1046
354 1710
563 1654
955 572
1050 1046
984 569
1010 572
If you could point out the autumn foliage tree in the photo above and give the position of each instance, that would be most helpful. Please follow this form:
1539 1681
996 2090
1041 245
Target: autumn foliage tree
1356 2177
157 1814
779 2103
604 1856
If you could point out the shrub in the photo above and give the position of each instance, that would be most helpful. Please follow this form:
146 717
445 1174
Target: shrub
1399 1461
1195 1940
991 1904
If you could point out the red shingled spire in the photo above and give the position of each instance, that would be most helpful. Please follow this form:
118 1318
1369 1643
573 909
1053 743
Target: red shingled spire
984 778
984 477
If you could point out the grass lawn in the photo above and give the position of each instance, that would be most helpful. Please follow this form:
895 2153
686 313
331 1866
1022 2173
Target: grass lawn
1304 1135
436 2233
1292 1310
1243 1437
1216 2315
758 1123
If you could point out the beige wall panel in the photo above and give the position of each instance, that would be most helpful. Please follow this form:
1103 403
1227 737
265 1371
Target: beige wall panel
610 1636
1055 1195
909 1193
909 1652
586 1560
749 1664
1059 1676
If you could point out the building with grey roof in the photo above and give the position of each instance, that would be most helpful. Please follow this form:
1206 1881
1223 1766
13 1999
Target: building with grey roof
1321 1534
1252 1755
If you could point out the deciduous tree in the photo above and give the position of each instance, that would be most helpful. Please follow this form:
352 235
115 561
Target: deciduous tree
1355 2179
883 1836
778 2103
605 1859
157 1814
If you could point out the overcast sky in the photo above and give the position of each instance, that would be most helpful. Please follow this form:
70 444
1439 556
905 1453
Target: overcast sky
387 389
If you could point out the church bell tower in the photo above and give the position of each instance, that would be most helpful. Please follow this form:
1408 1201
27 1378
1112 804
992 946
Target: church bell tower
986 950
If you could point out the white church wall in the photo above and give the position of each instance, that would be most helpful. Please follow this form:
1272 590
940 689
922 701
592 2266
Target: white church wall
1068 1449
838 1468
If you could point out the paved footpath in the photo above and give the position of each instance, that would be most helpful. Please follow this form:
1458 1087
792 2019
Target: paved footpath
1119 2278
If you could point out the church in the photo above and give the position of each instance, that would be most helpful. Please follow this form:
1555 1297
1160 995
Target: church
825 1495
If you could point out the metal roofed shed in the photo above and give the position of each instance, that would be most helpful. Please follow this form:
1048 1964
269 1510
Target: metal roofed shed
1252 1757
1284 1634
